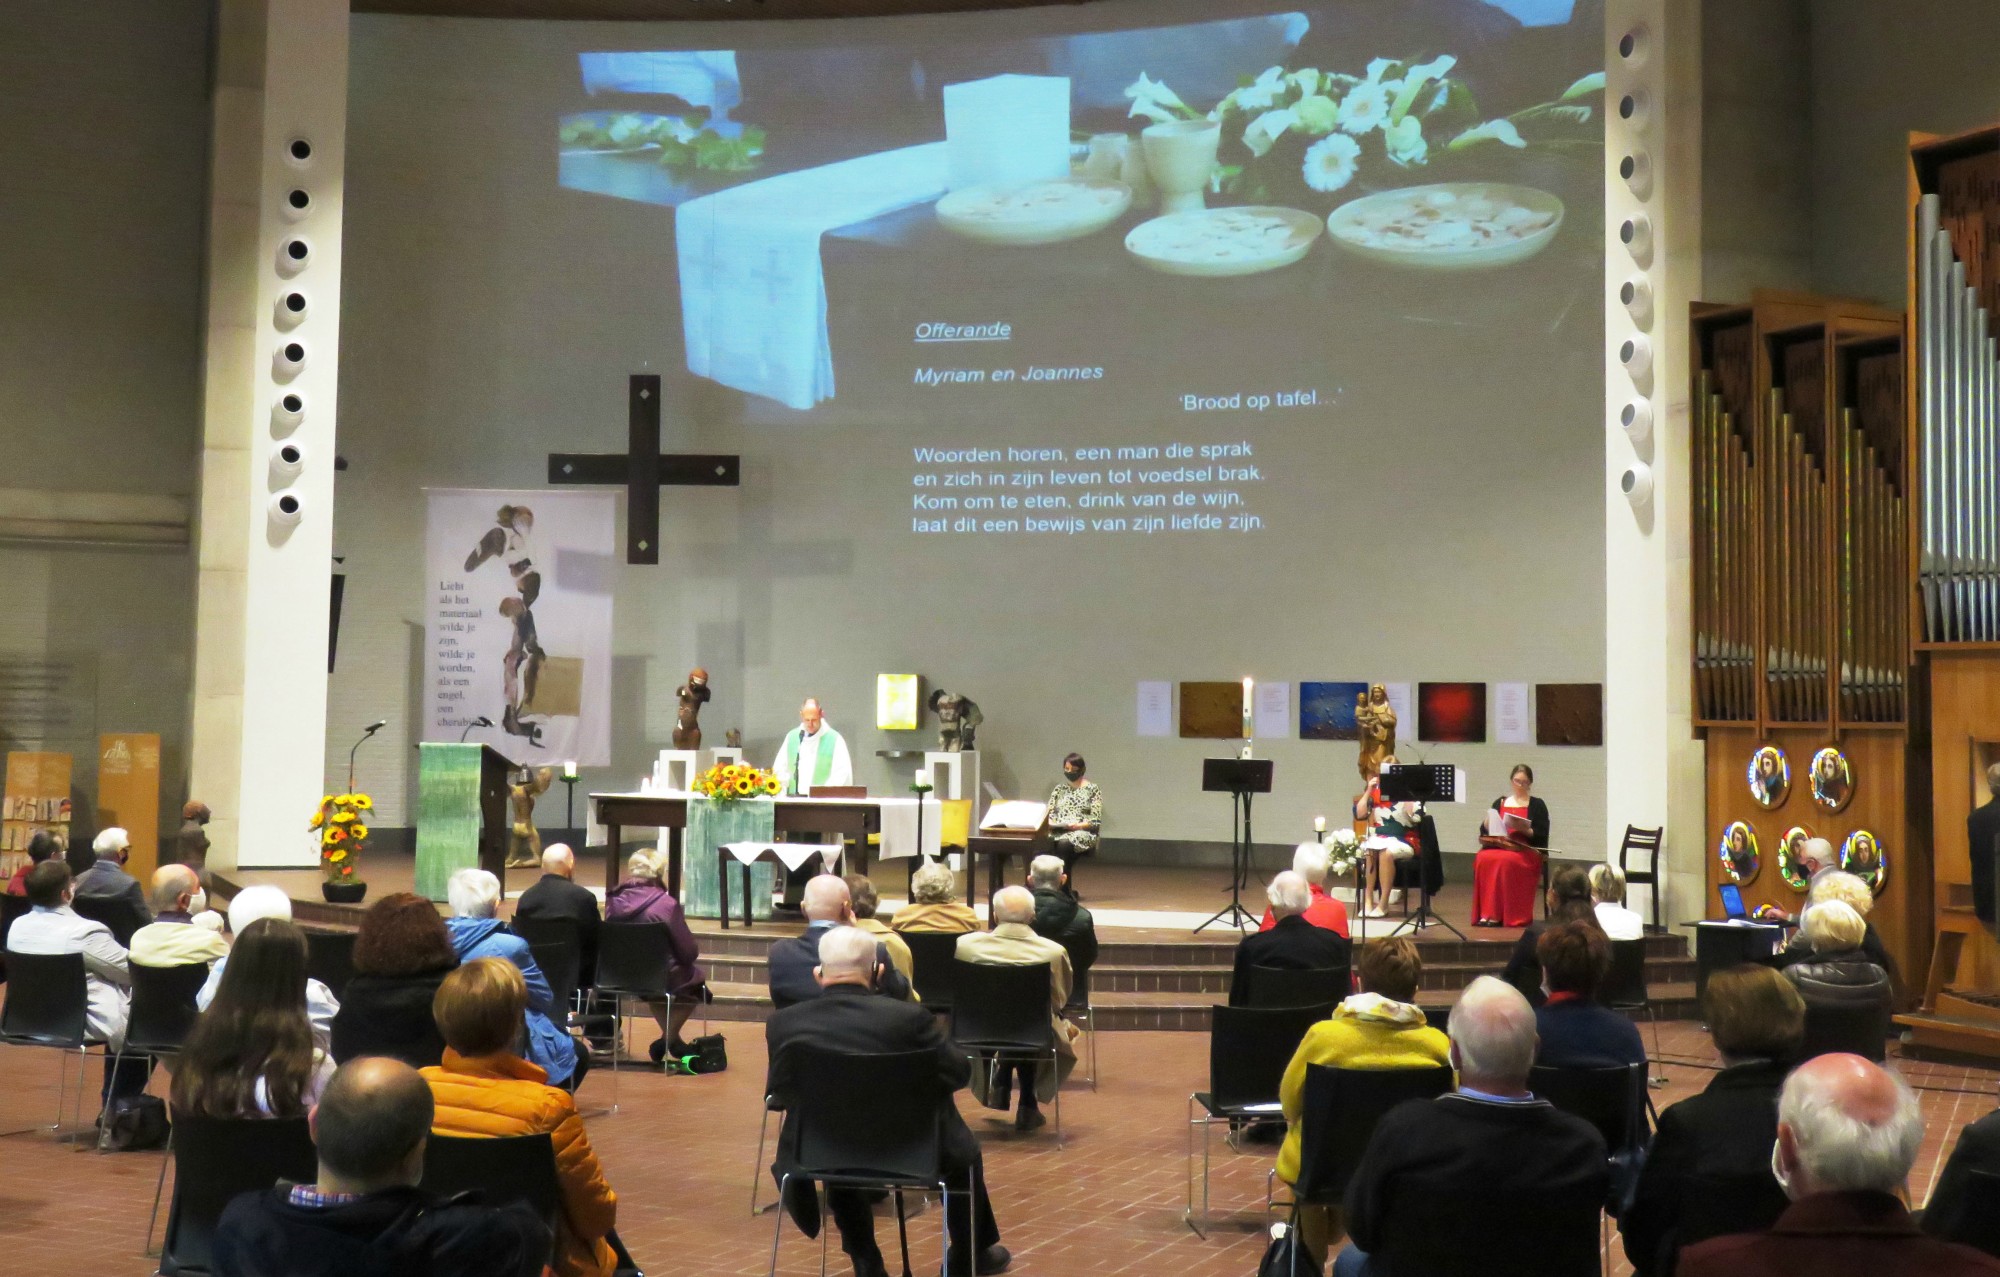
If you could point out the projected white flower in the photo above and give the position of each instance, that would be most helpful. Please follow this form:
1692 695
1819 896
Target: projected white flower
1364 109
1261 94
1266 129
1331 162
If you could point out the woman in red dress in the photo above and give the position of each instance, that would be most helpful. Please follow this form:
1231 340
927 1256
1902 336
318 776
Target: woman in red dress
1507 874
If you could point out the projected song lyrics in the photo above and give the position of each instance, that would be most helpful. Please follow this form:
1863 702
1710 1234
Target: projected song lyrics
1152 489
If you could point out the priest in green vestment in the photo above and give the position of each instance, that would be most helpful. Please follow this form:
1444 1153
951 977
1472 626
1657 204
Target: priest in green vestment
813 755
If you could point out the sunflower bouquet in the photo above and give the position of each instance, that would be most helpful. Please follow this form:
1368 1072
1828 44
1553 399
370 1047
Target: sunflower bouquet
728 782
343 827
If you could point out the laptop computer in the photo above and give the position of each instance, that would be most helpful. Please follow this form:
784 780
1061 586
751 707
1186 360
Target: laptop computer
1732 902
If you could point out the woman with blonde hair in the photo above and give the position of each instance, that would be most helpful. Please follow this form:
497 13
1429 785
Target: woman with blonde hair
1607 890
934 903
483 1089
643 897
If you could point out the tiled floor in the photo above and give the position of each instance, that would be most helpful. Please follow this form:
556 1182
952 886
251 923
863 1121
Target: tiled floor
680 1153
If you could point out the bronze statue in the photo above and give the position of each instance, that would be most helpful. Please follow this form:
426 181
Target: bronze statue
692 694
524 841
1375 722
958 721
733 738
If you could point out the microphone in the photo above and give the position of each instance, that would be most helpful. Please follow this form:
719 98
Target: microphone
481 721
366 732
374 727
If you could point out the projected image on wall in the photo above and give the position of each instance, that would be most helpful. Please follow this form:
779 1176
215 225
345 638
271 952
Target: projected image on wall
1179 229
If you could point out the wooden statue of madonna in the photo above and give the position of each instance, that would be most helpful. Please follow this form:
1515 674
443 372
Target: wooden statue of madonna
1375 724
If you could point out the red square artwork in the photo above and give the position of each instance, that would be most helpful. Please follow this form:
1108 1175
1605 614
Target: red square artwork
1451 712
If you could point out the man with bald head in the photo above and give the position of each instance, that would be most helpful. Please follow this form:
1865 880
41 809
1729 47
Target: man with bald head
179 932
850 1017
1013 943
364 1213
555 897
826 905
1484 1179
1848 1133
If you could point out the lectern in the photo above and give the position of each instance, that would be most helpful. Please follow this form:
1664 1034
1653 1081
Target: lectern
461 812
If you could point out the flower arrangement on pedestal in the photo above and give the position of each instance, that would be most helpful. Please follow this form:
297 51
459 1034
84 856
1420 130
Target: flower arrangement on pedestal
343 828
1342 850
728 782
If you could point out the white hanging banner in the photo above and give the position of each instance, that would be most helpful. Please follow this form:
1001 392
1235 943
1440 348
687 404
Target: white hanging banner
1512 723
518 611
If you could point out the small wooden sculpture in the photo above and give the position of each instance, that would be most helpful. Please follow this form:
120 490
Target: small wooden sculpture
692 694
524 842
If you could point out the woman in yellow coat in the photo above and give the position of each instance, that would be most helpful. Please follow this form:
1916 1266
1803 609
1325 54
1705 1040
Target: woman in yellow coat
1378 1028
484 1089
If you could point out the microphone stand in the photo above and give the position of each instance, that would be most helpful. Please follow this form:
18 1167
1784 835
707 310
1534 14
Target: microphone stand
350 756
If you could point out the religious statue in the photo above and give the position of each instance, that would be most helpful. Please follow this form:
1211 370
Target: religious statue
958 721
692 695
524 841
508 539
191 844
1375 722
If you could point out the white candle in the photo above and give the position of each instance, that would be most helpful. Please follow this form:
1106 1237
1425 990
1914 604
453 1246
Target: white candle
1249 689
569 769
1319 824
923 776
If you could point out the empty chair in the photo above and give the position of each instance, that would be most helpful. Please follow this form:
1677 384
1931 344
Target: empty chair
1624 989
1643 842
1282 987
1079 1011
1248 1049
214 1160
48 1005
1002 1014
330 959
933 962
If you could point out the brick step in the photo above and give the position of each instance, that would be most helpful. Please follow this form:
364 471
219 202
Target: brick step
1171 1010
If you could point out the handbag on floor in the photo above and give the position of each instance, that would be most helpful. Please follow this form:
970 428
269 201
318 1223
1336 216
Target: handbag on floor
706 1054
1287 1255
134 1123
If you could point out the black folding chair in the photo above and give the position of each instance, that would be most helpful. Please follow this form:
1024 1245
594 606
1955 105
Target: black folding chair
162 1014
11 907
1511 1232
560 964
551 934
771 1106
330 959
1624 989
1001 1013
1079 1011
933 960
1613 1100
1859 1030
1248 1050
1286 987
48 1005
1978 1224
870 1121
503 1170
116 912
214 1160
1342 1109
1644 842
634 963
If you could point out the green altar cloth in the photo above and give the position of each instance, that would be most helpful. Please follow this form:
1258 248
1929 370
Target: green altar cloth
712 825
447 813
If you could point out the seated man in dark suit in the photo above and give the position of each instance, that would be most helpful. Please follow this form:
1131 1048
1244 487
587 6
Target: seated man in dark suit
365 1213
851 1017
1949 1212
555 897
1723 1135
1293 943
1848 1133
826 905
105 879
1525 1178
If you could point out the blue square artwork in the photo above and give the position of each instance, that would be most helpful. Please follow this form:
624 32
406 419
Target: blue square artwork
1326 710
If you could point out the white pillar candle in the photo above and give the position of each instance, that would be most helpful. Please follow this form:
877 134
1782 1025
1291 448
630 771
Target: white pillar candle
1319 824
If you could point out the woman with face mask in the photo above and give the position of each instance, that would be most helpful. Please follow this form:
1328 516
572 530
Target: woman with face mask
1076 816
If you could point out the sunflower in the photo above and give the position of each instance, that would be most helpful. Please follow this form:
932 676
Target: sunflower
342 817
742 787
358 830
335 835
319 818
337 856
771 786
363 802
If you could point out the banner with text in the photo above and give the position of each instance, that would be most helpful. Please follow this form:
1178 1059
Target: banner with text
518 613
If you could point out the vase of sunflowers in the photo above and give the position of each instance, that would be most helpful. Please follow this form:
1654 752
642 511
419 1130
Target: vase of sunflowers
342 825
732 782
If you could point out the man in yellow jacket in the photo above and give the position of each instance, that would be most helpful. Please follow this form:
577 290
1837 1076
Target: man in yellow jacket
1378 1028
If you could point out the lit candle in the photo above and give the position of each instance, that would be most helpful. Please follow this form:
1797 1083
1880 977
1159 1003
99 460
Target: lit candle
1319 824
1249 687
569 769
923 776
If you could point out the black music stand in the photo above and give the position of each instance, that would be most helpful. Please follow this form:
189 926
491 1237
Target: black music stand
1239 778
1425 783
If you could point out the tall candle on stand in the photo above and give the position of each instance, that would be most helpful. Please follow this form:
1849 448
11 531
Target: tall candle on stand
1319 825
1249 700
569 769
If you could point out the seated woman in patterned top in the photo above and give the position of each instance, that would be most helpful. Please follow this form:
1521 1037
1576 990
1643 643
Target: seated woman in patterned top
1076 815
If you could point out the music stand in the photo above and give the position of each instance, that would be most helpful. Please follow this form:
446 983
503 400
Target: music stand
1239 778
1426 783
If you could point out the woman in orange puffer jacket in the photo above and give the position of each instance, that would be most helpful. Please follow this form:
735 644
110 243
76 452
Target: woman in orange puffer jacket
484 1089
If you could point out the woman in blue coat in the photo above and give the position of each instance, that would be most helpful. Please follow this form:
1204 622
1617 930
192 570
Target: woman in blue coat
475 897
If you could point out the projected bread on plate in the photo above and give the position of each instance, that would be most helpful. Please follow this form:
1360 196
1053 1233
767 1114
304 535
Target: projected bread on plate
1037 213
1224 241
1449 226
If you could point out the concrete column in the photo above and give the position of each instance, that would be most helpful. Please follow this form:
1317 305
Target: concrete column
264 539
1653 764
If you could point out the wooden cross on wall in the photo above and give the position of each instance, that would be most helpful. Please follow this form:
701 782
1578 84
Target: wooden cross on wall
644 469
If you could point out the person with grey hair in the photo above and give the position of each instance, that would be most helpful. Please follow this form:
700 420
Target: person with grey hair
253 904
934 903
1293 943
179 932
1310 862
1838 884
1834 976
1014 943
106 880
1539 1175
1060 916
1848 1133
642 897
476 933
849 1017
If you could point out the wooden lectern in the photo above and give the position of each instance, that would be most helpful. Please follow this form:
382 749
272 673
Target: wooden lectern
461 812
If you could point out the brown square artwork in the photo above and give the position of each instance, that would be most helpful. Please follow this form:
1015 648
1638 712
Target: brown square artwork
1212 711
1569 713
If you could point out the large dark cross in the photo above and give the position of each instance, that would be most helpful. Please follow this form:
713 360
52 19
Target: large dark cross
644 469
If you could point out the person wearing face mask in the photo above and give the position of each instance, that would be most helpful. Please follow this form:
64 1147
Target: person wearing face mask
1076 816
183 928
